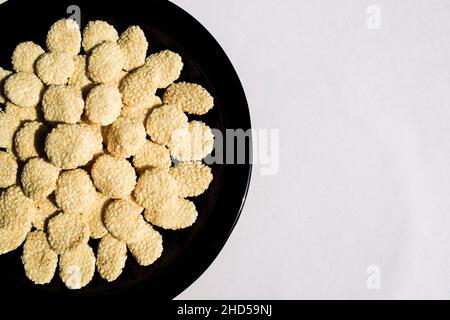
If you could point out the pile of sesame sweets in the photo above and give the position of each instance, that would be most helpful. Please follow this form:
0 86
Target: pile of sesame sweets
87 149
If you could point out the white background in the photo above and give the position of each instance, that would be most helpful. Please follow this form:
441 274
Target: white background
364 176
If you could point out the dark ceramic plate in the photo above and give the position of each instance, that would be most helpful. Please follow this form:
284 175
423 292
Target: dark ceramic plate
187 253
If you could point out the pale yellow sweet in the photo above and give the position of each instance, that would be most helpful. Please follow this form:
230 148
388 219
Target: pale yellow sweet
96 131
139 87
111 257
45 209
9 124
23 113
193 143
24 89
163 121
55 68
29 140
63 104
69 146
124 221
122 74
97 32
25 56
8 170
64 36
103 104
140 112
77 267
114 177
67 231
94 216
4 74
16 213
105 63
11 239
38 258
173 215
167 65
79 78
193 178
152 155
148 248
134 46
75 192
154 188
16 210
125 137
189 97
38 178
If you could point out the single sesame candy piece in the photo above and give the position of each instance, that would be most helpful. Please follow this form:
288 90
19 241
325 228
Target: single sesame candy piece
111 257
24 89
25 56
64 36
39 260
77 267
67 231
55 68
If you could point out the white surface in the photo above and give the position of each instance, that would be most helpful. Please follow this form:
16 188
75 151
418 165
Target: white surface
364 173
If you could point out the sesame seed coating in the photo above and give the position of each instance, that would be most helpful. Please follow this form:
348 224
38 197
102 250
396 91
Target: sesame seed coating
192 144
114 177
8 170
4 74
139 87
124 221
103 104
163 121
173 215
9 124
149 248
167 65
189 97
24 89
64 36
97 32
55 68
134 46
63 104
152 155
39 260
25 55
67 231
75 192
125 137
105 63
111 257
45 209
29 140
16 210
69 146
24 114
193 178
79 78
154 188
11 239
39 178
77 266
140 112
94 216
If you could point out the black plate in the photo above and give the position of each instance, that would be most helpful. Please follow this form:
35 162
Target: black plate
187 253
